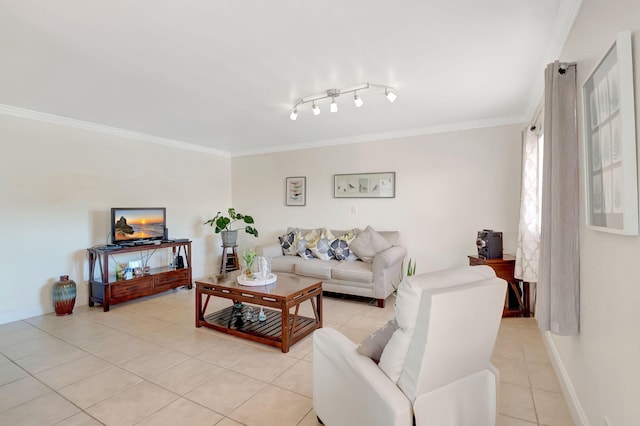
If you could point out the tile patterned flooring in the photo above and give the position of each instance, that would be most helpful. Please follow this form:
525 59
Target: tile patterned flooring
144 363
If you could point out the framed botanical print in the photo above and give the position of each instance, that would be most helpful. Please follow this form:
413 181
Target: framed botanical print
296 191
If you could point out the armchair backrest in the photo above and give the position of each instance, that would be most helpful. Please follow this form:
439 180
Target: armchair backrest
455 334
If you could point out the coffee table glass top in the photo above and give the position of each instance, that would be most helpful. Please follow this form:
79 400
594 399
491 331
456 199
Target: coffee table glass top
285 285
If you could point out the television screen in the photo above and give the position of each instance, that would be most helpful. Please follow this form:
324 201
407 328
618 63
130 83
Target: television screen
140 223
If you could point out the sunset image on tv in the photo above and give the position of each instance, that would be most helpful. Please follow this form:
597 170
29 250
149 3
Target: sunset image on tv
138 224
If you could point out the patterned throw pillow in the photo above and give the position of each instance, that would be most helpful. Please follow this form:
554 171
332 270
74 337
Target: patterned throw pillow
302 241
288 243
321 245
339 247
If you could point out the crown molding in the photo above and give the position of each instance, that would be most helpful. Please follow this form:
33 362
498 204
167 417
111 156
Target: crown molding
420 131
108 130
565 18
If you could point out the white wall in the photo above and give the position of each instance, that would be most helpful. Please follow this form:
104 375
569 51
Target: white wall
57 185
448 187
602 364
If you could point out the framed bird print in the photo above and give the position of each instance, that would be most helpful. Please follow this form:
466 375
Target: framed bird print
296 188
365 185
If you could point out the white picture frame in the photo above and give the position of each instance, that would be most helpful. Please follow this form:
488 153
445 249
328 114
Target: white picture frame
365 185
610 169
296 191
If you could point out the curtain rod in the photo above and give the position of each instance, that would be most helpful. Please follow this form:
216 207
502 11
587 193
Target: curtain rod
535 120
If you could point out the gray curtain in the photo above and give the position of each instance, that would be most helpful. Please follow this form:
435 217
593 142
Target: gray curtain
558 305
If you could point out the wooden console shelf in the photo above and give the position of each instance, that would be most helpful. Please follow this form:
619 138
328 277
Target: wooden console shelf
504 268
106 290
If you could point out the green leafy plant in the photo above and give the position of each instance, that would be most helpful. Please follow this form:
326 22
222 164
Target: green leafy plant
225 222
410 271
249 256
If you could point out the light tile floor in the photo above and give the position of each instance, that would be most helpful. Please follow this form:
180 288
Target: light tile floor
145 363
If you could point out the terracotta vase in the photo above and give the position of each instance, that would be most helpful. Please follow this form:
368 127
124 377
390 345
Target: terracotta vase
64 295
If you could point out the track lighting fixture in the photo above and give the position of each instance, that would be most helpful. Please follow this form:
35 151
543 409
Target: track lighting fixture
390 95
357 100
334 93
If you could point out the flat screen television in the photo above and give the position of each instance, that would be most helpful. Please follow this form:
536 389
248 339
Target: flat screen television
130 224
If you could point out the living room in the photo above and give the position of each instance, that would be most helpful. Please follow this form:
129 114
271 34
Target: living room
61 176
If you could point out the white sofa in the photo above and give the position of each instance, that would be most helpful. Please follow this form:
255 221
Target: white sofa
376 279
435 370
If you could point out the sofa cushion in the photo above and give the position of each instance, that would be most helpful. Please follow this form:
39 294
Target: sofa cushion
321 245
353 271
373 345
369 243
288 242
316 268
285 263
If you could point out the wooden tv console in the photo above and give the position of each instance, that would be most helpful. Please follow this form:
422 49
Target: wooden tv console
106 290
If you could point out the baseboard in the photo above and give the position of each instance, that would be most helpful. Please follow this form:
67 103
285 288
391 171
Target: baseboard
21 314
577 412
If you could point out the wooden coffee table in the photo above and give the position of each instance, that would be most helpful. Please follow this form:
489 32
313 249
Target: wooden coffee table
282 328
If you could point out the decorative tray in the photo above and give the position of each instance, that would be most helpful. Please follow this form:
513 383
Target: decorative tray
271 278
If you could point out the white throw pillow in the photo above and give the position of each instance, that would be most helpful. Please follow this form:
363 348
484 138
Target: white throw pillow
368 243
395 352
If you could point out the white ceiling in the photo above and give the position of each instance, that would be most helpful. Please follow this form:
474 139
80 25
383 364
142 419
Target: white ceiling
224 75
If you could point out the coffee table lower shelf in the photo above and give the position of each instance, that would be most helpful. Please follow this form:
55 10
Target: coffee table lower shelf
268 332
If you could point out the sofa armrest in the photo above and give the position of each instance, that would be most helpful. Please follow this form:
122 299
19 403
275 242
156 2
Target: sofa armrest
387 271
269 250
390 257
350 389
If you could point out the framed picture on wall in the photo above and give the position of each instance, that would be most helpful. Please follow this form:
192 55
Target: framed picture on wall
365 185
610 142
296 191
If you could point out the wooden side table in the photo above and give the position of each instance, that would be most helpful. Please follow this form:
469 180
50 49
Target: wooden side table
229 261
505 269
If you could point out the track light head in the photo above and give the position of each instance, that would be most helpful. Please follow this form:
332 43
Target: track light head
390 95
294 114
357 100
315 109
334 106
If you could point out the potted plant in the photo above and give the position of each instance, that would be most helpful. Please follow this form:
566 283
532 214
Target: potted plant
411 271
223 225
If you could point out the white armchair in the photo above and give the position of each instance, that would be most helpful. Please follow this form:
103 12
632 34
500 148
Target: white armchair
436 367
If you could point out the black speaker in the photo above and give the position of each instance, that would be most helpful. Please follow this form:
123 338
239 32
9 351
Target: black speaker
179 262
489 244
165 237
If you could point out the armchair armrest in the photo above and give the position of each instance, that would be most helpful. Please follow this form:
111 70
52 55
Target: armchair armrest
269 250
350 389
